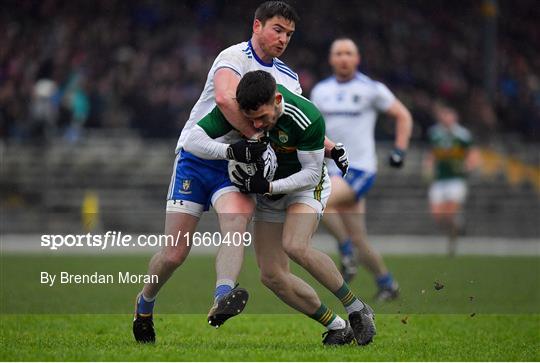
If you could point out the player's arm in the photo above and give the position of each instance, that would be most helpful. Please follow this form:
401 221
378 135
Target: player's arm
201 143
310 152
338 153
428 164
328 146
473 159
403 120
307 178
225 83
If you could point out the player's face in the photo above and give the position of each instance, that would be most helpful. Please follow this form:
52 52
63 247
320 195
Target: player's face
344 58
265 117
446 116
274 35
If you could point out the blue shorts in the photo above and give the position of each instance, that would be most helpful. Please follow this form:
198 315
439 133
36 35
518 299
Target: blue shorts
197 183
360 181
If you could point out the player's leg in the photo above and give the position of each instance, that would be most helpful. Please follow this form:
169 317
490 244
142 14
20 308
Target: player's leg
446 198
163 264
186 201
301 223
234 212
169 258
275 275
354 221
342 193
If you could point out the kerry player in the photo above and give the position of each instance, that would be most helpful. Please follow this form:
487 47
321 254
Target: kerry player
289 207
451 157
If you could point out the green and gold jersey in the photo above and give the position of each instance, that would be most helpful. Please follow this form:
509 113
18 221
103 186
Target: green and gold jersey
300 127
450 148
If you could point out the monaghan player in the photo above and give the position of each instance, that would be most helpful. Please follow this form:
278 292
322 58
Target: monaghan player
289 207
350 103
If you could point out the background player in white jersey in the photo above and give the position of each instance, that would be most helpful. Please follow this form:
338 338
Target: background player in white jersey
350 102
451 157
197 183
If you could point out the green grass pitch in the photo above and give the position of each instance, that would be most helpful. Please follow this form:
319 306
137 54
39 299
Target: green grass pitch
489 309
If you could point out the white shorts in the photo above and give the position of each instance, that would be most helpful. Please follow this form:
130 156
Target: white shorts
451 190
275 211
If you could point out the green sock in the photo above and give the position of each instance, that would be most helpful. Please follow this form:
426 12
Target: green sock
347 298
323 315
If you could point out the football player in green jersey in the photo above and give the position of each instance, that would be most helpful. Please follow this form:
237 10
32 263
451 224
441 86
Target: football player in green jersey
290 206
451 157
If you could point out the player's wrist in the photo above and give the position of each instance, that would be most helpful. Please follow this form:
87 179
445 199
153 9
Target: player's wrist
397 157
229 152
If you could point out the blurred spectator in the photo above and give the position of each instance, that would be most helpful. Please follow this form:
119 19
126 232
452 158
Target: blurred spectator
143 63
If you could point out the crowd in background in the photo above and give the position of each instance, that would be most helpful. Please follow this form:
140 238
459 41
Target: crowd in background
70 65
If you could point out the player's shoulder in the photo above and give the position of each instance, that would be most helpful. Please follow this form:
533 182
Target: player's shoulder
462 133
364 80
240 51
324 85
298 101
285 69
434 130
299 109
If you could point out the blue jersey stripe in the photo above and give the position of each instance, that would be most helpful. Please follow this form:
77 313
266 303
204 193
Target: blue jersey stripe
289 73
284 65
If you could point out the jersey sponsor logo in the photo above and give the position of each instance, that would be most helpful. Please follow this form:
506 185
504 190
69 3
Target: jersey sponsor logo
280 149
186 186
283 137
343 113
454 152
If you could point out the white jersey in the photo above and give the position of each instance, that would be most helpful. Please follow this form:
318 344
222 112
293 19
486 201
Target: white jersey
240 58
350 110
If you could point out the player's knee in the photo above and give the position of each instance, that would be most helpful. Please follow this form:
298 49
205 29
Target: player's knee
274 280
235 204
174 258
297 252
231 221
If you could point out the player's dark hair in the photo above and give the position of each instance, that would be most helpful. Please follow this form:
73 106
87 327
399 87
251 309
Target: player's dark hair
255 89
269 9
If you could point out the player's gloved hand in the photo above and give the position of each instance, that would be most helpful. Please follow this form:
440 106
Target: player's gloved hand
397 158
250 184
246 151
339 155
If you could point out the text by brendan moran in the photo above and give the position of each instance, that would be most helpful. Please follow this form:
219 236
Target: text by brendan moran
96 278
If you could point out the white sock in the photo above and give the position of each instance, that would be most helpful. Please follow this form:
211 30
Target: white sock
337 323
148 299
357 305
225 282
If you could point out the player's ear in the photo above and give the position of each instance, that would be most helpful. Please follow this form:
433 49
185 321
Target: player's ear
279 98
257 26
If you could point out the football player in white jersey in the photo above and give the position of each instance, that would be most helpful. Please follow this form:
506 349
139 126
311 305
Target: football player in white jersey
350 102
196 183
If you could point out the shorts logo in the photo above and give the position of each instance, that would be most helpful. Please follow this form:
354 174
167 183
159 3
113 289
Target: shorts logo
283 137
186 185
